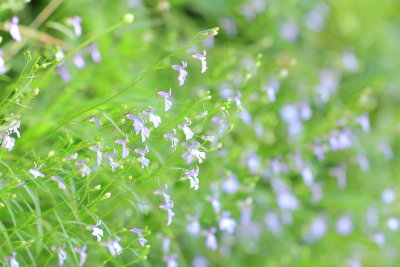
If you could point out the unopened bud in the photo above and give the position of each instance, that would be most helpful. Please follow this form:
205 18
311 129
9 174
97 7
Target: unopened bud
128 18
35 91
106 196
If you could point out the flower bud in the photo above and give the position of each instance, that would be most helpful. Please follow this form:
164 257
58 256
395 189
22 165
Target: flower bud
128 18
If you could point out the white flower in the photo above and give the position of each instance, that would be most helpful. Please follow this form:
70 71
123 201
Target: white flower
191 175
97 232
185 128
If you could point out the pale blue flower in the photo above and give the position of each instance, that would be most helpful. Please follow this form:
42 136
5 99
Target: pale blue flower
78 61
35 171
171 260
169 204
75 22
12 260
61 185
125 150
139 126
202 58
166 96
172 138
143 160
182 72
113 164
226 223
12 27
155 119
8 142
82 252
94 52
191 175
113 246
138 231
211 240
97 120
98 153
85 170
186 130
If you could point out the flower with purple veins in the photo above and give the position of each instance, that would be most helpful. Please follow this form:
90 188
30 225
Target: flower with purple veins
182 72
166 96
61 185
98 153
202 58
172 138
155 119
143 160
12 27
139 126
35 171
191 175
97 232
186 130
85 170
76 23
